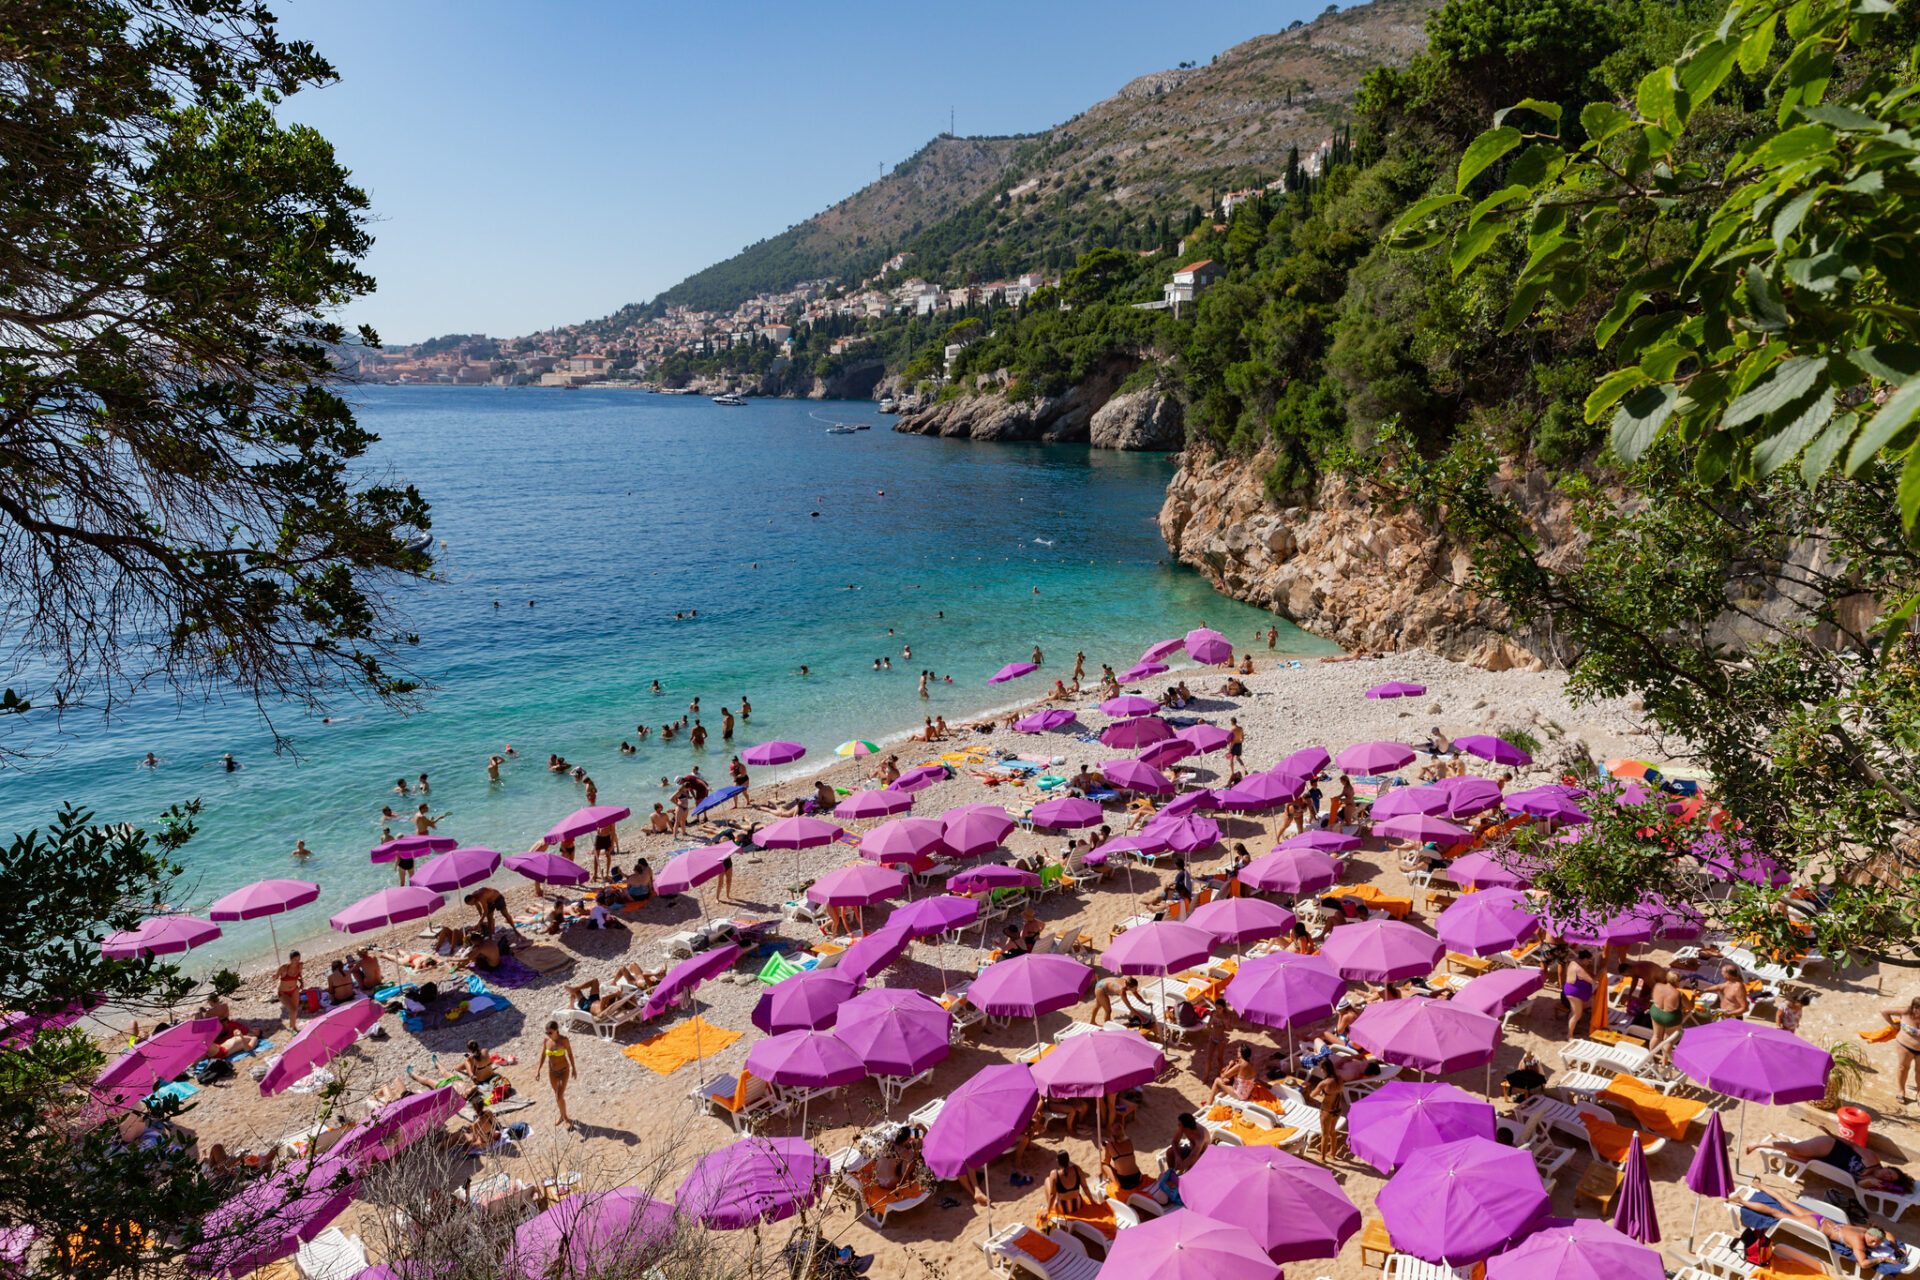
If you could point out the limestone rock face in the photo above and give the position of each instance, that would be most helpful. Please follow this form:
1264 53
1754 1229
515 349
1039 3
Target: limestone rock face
1060 419
1143 421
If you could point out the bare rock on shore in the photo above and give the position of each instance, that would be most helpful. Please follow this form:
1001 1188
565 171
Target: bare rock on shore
1058 419
1143 421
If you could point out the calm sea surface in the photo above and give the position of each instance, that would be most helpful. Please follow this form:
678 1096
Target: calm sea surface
611 512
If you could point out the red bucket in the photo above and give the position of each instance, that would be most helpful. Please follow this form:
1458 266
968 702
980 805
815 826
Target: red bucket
1853 1125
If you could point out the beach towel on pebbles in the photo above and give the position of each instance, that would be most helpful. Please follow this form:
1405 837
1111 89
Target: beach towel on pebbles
459 1008
691 1040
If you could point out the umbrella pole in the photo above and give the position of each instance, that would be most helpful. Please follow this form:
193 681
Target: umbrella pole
1740 1151
275 934
1696 1222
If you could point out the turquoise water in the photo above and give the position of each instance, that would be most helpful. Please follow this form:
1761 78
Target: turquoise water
612 511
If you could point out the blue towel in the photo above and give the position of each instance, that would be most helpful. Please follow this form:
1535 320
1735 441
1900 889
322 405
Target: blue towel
179 1090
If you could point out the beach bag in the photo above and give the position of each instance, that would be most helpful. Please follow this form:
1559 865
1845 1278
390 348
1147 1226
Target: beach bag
310 1000
428 992
212 1071
1755 1247
1185 1015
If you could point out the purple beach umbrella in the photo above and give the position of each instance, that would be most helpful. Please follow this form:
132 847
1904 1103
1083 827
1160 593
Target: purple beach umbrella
879 803
265 898
896 1032
1206 738
1163 649
807 1001
753 1180
685 978
1469 796
1294 871
805 1060
1496 992
990 877
1188 834
1182 805
1396 689
547 868
272 1217
1710 1175
154 1061
1754 1063
1401 1117
318 1043
158 936
584 822
1497 750
1293 1208
1420 826
982 1119
1461 1202
1141 731
1012 671
1577 1249
1374 757
390 907
976 829
1207 647
693 867
1165 752
902 840
1186 1245
1322 842
592 1233
770 753
1479 924
1404 802
1045 720
1305 762
412 846
1143 671
1067 811
1028 986
797 833
1381 950
931 916
1234 922
859 885
1128 705
919 778
1634 1214
1434 1036
1260 791
1479 871
1105 1062
872 952
1284 989
1132 775
1623 928
457 868
1164 946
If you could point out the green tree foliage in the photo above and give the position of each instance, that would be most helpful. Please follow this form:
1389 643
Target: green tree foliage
178 485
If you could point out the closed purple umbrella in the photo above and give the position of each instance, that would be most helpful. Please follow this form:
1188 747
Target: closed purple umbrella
318 1043
902 840
1496 992
1710 1174
769 753
859 885
1461 1202
1322 841
1164 946
879 803
592 1233
584 822
1067 811
805 1060
1294 871
931 916
1497 750
686 976
1396 689
1188 834
1207 646
1375 757
1142 671
976 829
412 846
873 952
1420 826
1163 649
799 832
805 1002
1305 762
1127 705
753 1180
1634 1214
1163 753
1012 671
1234 922
981 1119
1206 738
388 907
1429 1035
1577 1249
457 868
1131 775
1292 1207
1092 1066
1479 924
547 868
1411 802
919 778
158 936
1044 720
271 1218
1401 1117
985 879
1141 731
1478 871
1185 1245
1260 791
897 1033
1284 989
154 1061
1381 950
1469 796
693 867
1028 986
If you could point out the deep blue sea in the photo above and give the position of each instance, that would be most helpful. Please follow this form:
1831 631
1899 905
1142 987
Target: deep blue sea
611 511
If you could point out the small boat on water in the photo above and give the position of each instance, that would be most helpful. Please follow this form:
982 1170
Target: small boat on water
729 399
842 429
889 405
863 426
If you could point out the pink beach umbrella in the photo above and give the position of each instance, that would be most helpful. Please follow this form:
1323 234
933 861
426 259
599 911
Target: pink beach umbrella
457 868
1029 986
1420 826
1428 1035
981 1119
805 1060
584 822
902 840
1381 950
612 1232
1497 750
919 778
859 885
1293 1208
1182 805
271 1218
1411 801
1068 811
1479 924
684 979
1294 871
975 829
1186 1245
154 1061
686 870
1401 1117
1012 671
1206 738
1160 649
1588 928
805 1002
1374 757
873 952
772 753
988 878
399 1124
1284 989
1322 841
1206 646
1478 871
1461 1202
753 1180
1164 946
1754 1064
1141 731
1578 1249
1553 803
896 1032
1469 796
1044 721
389 907
1188 834
1096 1065
1128 705
1496 992
1234 922
158 936
1132 775
799 832
878 803
1260 791
265 898
1396 689
1306 762
932 916
1163 753
1143 671
547 868
412 846
318 1043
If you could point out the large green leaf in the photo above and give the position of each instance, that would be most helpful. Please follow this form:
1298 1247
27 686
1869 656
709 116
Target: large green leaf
1656 98
1758 44
1821 453
1421 210
1640 417
1799 427
1790 380
1703 71
1611 388
1473 242
1483 151
1894 416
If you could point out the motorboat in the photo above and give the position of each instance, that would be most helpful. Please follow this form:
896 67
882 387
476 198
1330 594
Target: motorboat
729 399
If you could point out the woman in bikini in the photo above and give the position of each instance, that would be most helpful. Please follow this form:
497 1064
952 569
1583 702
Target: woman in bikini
339 983
558 1051
1238 1079
1857 1163
1906 1046
1066 1189
1118 1164
1578 988
1326 1089
290 976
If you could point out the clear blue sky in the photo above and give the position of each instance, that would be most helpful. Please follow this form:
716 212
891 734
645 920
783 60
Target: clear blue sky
538 164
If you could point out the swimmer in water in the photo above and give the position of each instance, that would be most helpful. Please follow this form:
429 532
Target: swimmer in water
300 849
803 670
493 767
657 688
151 762
400 787
230 763
746 708
508 751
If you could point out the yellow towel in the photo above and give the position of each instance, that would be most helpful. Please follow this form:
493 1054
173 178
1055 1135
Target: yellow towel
667 1052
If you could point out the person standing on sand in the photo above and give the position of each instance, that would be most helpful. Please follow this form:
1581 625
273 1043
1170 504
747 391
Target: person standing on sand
558 1052
738 772
605 841
290 976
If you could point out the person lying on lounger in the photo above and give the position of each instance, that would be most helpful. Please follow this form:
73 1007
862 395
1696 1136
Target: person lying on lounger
1867 1244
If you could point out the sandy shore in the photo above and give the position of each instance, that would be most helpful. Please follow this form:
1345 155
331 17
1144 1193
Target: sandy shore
633 1119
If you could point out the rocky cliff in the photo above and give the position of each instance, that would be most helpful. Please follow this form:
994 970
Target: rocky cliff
1340 568
1089 413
